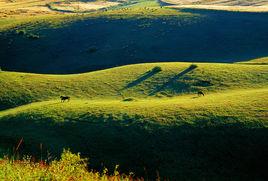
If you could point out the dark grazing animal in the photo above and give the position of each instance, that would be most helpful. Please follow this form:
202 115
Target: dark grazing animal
200 93
64 98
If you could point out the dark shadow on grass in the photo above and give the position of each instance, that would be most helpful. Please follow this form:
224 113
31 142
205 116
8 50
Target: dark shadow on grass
173 79
145 76
178 152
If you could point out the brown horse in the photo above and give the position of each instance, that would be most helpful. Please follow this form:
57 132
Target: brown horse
200 93
64 98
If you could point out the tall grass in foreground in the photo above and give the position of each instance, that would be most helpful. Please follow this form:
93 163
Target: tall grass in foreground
69 167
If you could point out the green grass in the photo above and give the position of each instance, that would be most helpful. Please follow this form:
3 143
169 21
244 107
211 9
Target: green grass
258 61
142 9
149 133
129 81
166 129
145 117
52 21
187 109
12 13
69 167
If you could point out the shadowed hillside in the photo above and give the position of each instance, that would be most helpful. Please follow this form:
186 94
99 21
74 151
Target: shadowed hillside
95 44
185 137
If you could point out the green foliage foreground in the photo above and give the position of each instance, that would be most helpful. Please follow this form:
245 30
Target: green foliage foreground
69 167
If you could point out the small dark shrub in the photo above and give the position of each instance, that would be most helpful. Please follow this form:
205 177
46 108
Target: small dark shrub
156 69
206 82
92 49
33 36
203 83
129 99
21 32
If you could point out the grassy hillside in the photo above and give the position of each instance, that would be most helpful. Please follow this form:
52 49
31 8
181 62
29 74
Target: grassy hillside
24 12
148 120
110 40
147 117
138 81
182 137
188 109
16 12
258 61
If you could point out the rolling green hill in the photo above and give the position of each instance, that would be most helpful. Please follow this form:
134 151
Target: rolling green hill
160 135
138 81
145 117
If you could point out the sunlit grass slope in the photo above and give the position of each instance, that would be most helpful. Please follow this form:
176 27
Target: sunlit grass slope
28 12
258 61
182 137
146 117
137 81
17 12
236 106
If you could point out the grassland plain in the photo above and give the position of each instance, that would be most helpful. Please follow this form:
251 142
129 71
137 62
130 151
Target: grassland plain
164 127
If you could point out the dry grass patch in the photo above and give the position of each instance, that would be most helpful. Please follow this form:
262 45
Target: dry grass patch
13 13
83 6
235 5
